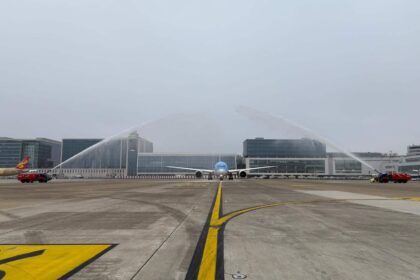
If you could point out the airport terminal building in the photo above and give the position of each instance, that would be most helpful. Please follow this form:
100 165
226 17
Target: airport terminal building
342 165
156 163
132 156
44 153
288 156
73 146
309 157
109 159
411 162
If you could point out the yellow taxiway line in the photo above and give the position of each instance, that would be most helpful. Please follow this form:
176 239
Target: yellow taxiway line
208 264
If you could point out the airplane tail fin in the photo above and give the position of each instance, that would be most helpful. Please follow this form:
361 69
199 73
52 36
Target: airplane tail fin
23 164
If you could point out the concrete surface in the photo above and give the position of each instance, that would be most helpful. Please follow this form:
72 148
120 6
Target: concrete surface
321 231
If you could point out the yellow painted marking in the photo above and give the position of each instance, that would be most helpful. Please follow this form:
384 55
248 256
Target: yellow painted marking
207 268
46 261
216 208
208 262
232 215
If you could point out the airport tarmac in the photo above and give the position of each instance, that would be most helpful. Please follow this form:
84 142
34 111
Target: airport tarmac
145 229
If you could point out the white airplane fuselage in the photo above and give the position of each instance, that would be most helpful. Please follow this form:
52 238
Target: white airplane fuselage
20 167
9 171
221 169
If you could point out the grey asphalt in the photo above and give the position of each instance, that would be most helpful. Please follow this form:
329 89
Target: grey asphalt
324 230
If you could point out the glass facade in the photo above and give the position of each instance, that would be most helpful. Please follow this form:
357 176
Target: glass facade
72 147
51 151
132 152
117 153
40 150
156 163
410 169
284 148
413 150
411 162
10 152
412 159
347 166
284 166
31 150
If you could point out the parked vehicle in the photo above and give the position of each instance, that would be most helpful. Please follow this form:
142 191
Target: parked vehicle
395 177
34 177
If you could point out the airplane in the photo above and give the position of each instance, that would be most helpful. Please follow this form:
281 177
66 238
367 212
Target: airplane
20 167
221 170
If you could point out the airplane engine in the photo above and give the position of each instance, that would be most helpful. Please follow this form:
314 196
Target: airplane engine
198 174
242 174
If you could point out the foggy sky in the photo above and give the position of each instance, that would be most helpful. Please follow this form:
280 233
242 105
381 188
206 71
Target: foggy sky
349 70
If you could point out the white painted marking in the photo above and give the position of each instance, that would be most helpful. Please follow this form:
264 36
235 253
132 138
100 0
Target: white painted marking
405 206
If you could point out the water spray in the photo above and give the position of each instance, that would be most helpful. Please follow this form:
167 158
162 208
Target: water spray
273 122
119 135
100 143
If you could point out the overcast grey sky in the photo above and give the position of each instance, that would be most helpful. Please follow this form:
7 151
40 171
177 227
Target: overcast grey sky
347 69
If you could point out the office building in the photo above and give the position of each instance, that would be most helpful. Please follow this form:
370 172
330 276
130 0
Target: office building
287 156
283 148
309 157
411 162
118 153
73 146
341 164
44 153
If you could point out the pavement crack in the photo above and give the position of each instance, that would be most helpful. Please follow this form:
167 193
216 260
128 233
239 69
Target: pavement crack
163 243
165 240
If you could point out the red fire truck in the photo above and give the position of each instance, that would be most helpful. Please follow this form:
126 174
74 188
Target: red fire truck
395 177
34 177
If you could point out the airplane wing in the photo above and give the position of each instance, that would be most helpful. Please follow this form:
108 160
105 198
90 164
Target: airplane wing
253 168
191 169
